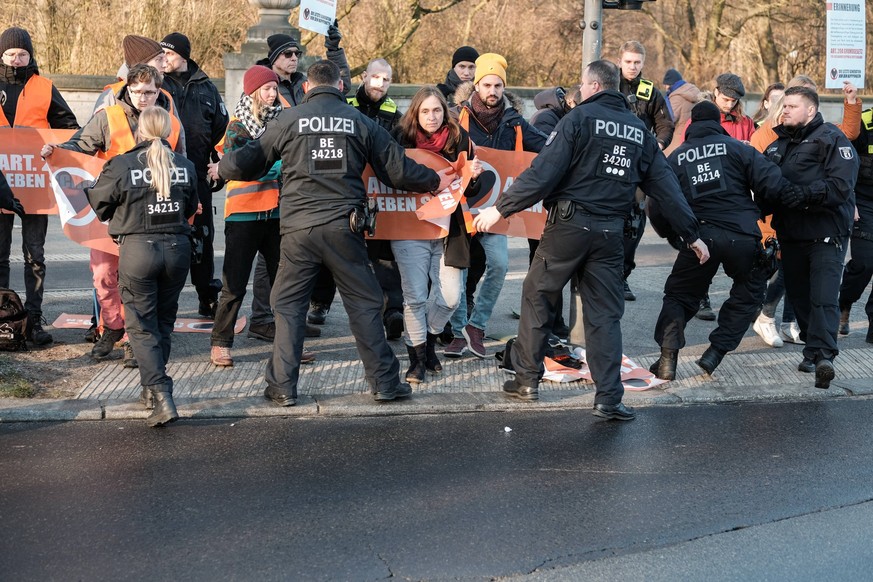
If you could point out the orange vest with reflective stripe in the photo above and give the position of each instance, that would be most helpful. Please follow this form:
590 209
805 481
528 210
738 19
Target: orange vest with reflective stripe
33 104
254 196
464 121
121 139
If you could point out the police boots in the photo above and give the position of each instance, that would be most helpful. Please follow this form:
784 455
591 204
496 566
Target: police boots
844 319
164 411
665 366
432 362
417 359
710 360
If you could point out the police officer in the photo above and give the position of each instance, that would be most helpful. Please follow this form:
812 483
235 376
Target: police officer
716 173
324 146
148 195
589 169
204 118
813 224
859 269
648 103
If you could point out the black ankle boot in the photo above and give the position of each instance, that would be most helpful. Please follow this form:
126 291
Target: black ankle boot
417 357
844 319
146 399
667 364
710 360
431 361
165 409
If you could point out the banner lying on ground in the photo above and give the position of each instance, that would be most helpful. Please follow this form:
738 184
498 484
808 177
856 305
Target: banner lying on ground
182 325
633 377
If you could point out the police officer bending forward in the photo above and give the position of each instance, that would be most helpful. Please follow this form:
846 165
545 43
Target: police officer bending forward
324 146
716 172
148 195
592 164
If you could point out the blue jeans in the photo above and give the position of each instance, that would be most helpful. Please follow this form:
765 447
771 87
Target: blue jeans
496 264
421 264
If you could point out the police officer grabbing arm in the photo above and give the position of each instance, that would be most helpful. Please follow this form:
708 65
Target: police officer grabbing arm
324 146
591 166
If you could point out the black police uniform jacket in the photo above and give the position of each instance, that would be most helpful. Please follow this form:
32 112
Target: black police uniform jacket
597 156
324 146
716 173
864 186
124 196
201 111
820 157
652 111
384 111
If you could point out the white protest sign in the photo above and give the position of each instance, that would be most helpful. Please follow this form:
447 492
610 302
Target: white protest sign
846 46
317 15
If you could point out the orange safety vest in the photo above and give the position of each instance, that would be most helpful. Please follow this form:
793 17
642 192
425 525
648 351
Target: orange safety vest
121 139
254 196
464 121
33 104
116 87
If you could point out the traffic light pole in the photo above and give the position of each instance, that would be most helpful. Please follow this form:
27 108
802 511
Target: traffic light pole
592 31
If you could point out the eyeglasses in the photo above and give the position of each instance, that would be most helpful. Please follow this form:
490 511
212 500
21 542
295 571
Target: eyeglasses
139 94
289 54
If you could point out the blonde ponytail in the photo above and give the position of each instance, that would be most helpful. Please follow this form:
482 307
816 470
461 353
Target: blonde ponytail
155 125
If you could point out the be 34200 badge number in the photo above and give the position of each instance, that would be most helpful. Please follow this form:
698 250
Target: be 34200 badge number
616 161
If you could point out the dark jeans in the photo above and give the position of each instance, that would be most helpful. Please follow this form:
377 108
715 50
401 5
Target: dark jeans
857 275
33 232
152 269
689 281
203 273
812 282
589 247
344 253
775 292
261 287
242 242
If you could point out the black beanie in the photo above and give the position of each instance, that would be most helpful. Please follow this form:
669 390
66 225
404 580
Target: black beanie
13 38
279 43
178 43
672 76
705 111
465 53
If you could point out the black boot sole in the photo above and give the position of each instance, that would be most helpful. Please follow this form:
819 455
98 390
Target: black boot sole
823 377
161 420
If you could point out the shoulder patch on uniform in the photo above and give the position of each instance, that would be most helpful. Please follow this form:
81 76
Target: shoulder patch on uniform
551 137
223 109
847 153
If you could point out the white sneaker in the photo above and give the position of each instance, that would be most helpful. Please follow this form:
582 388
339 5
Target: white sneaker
791 333
766 328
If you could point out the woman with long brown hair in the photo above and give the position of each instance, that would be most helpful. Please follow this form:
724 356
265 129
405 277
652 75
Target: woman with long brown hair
148 195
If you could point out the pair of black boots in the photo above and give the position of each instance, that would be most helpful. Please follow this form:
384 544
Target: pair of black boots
423 359
665 366
159 399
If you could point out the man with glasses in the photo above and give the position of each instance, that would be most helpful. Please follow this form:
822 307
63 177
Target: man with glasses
110 132
28 100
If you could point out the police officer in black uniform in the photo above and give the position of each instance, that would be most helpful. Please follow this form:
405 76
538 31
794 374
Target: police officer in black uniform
859 269
324 146
589 171
814 225
716 173
148 195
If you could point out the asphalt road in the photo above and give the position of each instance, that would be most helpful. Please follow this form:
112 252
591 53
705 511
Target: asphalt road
716 492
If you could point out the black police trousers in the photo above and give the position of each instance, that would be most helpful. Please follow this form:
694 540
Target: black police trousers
152 269
812 282
858 272
689 281
303 252
203 273
590 247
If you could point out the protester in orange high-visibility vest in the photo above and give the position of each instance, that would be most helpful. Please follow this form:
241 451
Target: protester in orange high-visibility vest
110 132
28 100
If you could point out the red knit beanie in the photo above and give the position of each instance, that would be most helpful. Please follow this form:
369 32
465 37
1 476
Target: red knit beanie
257 77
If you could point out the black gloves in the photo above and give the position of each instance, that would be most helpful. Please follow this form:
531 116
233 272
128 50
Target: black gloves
793 197
333 38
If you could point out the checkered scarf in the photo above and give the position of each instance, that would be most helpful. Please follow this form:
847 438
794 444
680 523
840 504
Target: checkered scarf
244 112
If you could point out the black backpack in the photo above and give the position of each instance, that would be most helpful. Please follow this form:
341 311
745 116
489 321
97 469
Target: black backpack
13 322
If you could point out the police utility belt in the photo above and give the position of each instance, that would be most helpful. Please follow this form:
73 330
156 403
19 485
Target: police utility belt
364 221
564 210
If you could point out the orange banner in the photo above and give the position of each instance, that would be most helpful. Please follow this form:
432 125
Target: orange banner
27 174
70 173
506 166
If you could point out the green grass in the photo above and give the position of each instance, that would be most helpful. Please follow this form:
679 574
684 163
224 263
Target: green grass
13 384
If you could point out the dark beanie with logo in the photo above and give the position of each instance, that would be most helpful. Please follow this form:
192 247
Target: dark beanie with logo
16 38
178 43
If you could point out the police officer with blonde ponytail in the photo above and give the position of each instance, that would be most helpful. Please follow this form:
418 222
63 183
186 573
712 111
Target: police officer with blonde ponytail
148 195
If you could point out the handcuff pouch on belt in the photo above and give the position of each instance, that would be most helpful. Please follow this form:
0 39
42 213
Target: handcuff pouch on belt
364 221
766 258
198 235
561 210
633 222
858 233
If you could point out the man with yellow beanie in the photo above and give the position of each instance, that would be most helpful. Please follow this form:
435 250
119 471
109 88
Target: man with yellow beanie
493 120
